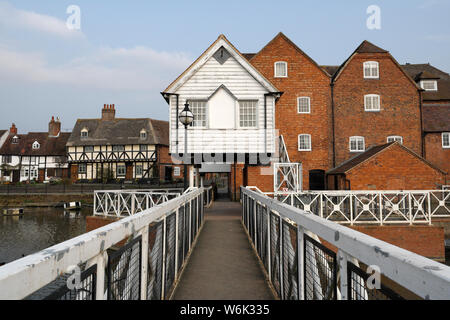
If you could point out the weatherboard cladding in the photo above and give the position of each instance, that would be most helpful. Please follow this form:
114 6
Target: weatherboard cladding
119 131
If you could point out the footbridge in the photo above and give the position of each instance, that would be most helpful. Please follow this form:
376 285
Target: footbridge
173 245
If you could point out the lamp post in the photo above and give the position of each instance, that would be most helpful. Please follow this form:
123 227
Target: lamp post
185 117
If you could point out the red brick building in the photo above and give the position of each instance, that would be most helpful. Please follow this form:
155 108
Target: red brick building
390 166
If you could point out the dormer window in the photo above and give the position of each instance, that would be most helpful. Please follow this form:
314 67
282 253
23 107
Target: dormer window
280 69
84 133
36 145
428 85
143 134
371 70
15 140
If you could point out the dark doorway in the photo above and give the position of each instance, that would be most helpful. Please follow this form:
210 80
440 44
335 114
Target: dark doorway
317 179
16 176
168 173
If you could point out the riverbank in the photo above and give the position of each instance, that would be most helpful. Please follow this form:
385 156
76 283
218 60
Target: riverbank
44 200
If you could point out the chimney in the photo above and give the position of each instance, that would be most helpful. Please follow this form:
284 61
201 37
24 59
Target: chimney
54 127
108 112
13 129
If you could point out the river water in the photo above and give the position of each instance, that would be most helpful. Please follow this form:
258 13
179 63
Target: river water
38 229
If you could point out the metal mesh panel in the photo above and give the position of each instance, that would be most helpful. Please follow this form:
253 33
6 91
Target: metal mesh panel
290 270
154 269
86 290
264 235
170 252
124 272
181 232
358 289
320 271
275 252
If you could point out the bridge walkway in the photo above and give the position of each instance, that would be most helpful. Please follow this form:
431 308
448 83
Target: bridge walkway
223 265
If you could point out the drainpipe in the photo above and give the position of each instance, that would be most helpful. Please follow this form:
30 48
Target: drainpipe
422 134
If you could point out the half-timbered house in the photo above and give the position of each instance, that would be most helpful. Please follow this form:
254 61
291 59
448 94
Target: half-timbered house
113 148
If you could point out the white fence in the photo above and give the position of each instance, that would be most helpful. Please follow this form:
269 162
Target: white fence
288 241
158 242
372 207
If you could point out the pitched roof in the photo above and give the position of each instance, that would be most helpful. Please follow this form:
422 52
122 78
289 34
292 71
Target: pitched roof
357 160
427 71
248 56
119 131
368 47
49 146
2 132
436 118
331 70
282 35
216 45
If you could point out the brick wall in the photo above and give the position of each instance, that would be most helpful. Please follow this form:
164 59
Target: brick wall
257 178
400 106
237 173
305 78
394 169
435 153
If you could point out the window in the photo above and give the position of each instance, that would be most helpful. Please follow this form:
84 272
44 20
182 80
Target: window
304 142
121 170
395 138
372 102
371 70
247 114
429 85
280 69
143 147
82 168
445 139
6 159
198 108
36 145
25 173
15 139
143 134
303 105
118 148
357 144
34 173
176 171
88 149
139 170
84 133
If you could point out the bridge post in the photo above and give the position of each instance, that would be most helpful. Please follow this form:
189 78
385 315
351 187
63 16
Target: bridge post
269 267
343 258
144 261
301 262
163 272
102 259
176 241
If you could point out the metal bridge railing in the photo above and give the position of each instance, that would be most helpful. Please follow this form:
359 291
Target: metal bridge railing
209 196
137 257
118 203
372 207
289 242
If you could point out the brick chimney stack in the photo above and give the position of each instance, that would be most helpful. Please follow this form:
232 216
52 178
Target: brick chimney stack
13 129
54 127
108 112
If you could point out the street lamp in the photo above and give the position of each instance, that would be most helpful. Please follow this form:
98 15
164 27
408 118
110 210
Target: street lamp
185 117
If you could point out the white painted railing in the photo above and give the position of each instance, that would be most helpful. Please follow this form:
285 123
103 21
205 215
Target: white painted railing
287 239
119 203
158 242
372 207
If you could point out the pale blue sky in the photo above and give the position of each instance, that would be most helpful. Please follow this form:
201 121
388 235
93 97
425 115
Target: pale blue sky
128 51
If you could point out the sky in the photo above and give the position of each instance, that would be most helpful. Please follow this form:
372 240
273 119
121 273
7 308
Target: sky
127 52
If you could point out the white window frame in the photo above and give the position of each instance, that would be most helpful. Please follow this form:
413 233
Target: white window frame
309 105
195 122
176 171
82 165
372 96
36 145
84 133
141 170
255 106
445 146
15 140
124 170
275 75
435 88
309 141
143 134
395 138
356 139
371 65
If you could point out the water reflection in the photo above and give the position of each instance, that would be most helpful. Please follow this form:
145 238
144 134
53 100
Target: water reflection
38 229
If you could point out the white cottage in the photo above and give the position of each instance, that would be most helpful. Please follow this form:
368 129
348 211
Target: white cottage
234 112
